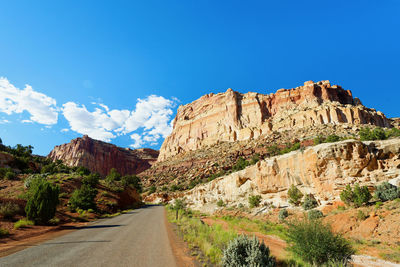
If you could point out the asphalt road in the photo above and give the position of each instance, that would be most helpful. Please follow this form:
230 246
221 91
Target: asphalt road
138 238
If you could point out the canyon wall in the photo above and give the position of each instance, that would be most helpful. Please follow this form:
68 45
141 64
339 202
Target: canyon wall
323 170
232 116
101 157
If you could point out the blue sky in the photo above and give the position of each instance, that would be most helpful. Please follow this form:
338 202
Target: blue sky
118 70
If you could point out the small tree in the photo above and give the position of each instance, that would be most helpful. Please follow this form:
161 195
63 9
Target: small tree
283 214
245 251
294 195
179 205
356 197
254 201
387 191
332 138
315 243
113 176
42 201
315 214
83 198
309 202
91 179
132 180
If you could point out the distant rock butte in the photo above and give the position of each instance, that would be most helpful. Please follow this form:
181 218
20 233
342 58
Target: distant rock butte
101 157
232 116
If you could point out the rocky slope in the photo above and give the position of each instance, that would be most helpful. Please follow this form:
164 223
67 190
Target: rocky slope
101 157
322 170
232 116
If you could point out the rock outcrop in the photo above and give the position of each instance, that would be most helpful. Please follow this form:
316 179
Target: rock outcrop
323 170
101 157
232 116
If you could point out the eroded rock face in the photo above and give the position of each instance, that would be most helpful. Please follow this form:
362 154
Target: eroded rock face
323 170
101 157
232 116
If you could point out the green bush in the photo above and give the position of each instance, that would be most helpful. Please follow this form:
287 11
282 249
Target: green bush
361 215
23 223
357 197
83 171
132 180
332 138
309 202
83 198
318 140
245 251
91 179
254 159
394 132
8 210
10 175
283 214
240 164
387 191
152 189
376 134
295 195
220 203
254 201
113 176
42 201
315 243
3 232
315 214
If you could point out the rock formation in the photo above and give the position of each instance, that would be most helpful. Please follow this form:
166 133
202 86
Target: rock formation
323 170
232 116
101 157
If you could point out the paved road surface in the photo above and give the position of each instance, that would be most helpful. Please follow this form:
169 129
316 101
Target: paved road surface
138 238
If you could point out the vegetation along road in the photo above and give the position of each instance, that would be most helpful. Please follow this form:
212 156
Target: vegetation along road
136 238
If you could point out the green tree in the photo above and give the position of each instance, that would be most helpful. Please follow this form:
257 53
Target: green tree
355 197
254 201
295 195
132 180
91 179
179 205
113 176
309 202
42 201
83 198
386 191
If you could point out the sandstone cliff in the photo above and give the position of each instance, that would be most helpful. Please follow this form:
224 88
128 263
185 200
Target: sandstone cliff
232 116
323 170
101 157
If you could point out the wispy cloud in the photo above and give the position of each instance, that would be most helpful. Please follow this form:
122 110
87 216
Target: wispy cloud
42 108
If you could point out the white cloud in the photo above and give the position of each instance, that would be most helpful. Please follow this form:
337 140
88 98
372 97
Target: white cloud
42 108
153 114
138 142
64 130
3 121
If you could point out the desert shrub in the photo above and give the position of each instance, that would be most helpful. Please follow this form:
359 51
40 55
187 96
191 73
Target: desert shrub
176 187
378 205
91 179
132 180
240 164
361 215
273 150
290 148
83 170
152 189
23 223
314 214
254 201
245 251
113 176
366 134
83 198
8 210
387 191
295 195
49 168
220 203
314 242
254 159
332 138
42 201
309 202
283 214
10 175
318 140
394 132
3 232
178 206
355 197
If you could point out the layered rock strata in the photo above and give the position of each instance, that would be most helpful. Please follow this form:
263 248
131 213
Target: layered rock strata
232 116
323 170
101 157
